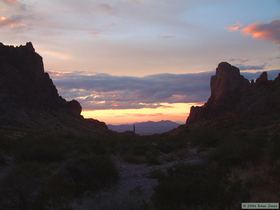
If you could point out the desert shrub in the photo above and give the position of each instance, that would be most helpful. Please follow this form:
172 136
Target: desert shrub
187 186
56 148
79 176
235 192
5 143
139 149
2 160
88 146
39 152
197 187
275 148
21 187
92 173
239 150
152 157
168 145
275 171
157 174
36 184
136 159
41 149
140 152
206 136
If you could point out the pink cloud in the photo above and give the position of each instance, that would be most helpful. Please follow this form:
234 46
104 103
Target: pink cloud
263 31
234 27
268 31
10 1
11 22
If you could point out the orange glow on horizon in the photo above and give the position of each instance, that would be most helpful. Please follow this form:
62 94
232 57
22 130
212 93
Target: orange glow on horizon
177 112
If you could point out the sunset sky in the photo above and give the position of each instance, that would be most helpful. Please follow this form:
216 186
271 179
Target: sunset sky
137 60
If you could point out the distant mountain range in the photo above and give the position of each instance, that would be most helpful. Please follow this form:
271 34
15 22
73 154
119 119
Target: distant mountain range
146 128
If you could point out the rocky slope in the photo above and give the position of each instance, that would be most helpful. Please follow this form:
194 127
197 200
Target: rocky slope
233 95
28 97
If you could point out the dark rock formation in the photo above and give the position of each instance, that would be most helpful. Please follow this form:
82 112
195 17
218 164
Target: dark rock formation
96 123
232 94
226 86
74 107
278 77
27 93
24 84
262 80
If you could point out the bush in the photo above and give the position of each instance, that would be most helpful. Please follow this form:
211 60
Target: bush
92 173
131 158
238 150
80 176
2 160
206 136
275 147
33 185
197 187
20 189
157 174
40 150
152 157
188 186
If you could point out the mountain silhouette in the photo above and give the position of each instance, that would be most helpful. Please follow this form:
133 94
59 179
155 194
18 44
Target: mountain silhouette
146 128
235 96
28 97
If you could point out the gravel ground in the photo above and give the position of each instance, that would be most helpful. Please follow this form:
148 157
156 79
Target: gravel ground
135 187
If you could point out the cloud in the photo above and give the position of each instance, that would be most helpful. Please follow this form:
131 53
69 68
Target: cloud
106 8
263 31
14 22
55 54
103 91
167 36
234 27
10 1
240 60
251 67
269 31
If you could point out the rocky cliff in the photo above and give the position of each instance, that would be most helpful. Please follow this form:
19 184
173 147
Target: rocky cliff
28 96
232 94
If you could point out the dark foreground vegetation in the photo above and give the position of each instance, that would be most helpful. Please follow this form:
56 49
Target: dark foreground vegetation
49 172
241 164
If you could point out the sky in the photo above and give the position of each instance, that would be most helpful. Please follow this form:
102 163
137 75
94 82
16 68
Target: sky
129 61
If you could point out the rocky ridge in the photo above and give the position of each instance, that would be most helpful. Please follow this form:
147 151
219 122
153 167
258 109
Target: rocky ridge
232 94
28 96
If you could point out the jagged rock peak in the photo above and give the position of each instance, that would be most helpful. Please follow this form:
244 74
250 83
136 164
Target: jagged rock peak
28 97
74 107
277 78
263 79
232 93
226 82
225 68
28 46
22 76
